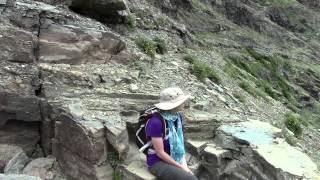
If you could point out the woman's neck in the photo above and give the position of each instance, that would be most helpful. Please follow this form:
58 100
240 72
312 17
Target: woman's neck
172 112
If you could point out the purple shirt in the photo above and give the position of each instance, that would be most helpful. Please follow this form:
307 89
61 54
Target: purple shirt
154 129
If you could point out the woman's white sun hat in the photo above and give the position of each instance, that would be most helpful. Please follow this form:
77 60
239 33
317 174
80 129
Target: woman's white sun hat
171 98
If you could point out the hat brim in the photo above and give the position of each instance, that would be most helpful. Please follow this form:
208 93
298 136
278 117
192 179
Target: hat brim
170 105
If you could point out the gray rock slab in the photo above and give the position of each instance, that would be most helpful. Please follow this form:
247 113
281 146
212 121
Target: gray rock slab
24 108
84 138
136 170
278 158
7 152
16 44
40 167
23 134
17 163
17 177
76 167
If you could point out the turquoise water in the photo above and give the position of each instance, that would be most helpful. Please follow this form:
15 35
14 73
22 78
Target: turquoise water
252 135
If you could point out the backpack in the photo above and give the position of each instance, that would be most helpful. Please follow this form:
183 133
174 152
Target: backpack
142 141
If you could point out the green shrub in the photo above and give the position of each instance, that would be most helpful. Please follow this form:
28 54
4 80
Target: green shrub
117 175
267 73
130 21
190 59
247 87
161 47
161 21
202 70
293 123
240 97
147 46
312 114
255 92
114 160
290 139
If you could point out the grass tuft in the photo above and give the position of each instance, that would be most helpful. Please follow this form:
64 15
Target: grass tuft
202 70
294 123
147 46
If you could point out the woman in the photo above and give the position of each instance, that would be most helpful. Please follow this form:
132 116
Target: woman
166 157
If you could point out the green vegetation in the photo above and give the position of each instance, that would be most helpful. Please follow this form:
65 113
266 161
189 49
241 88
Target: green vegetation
277 2
251 90
161 47
312 115
202 70
240 97
294 123
147 46
114 160
161 21
151 47
196 4
130 21
290 139
267 73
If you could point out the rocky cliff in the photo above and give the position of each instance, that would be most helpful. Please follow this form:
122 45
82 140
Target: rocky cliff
75 74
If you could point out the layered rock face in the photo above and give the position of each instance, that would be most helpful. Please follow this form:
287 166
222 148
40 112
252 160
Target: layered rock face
67 103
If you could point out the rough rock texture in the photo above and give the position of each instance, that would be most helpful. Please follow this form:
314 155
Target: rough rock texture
12 153
45 168
22 134
80 86
18 177
136 171
116 9
63 36
251 149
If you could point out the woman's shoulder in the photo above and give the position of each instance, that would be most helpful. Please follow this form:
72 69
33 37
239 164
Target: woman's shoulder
155 119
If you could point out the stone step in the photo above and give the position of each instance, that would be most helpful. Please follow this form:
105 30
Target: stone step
17 177
136 170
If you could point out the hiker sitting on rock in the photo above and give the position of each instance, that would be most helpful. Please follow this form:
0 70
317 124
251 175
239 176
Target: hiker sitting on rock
166 156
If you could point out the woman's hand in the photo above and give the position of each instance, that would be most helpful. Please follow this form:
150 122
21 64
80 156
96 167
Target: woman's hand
185 168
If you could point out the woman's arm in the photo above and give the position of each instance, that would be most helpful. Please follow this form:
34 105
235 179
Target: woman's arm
157 143
184 163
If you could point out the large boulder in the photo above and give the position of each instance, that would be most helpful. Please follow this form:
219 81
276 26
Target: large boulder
77 167
11 152
14 159
22 134
254 151
59 36
16 44
111 11
18 177
44 168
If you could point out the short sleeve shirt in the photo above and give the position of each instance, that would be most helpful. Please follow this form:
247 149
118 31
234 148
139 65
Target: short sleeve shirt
154 128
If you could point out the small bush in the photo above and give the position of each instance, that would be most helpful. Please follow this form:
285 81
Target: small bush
114 160
161 21
240 97
190 59
202 70
293 123
161 46
117 175
247 87
147 46
290 139
130 21
252 90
